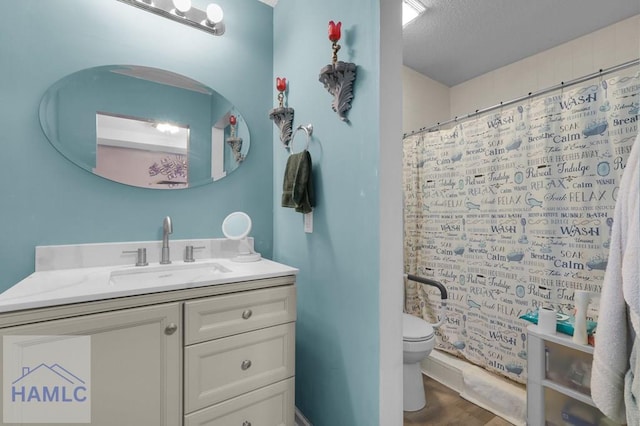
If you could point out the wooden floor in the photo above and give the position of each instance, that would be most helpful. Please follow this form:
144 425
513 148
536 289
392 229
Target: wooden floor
446 408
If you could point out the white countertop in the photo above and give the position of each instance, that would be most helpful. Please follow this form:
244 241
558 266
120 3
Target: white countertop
64 286
51 288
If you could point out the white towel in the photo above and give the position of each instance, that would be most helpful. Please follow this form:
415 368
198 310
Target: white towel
619 314
632 388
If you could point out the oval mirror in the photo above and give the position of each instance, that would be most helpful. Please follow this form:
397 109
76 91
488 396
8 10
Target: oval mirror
144 127
236 226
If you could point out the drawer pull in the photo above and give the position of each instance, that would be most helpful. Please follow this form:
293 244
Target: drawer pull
170 329
245 364
246 314
246 423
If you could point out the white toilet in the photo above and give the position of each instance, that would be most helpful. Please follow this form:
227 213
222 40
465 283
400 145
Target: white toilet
418 340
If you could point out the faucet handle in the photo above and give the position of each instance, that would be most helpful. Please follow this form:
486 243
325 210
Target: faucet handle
141 256
188 253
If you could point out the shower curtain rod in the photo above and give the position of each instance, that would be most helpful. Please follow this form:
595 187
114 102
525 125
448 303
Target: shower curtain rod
562 84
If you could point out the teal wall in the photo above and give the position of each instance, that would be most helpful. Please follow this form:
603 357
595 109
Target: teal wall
337 337
47 200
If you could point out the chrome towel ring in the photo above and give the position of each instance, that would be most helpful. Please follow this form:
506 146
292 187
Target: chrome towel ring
308 129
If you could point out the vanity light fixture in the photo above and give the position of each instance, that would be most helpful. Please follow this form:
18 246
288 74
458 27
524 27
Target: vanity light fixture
209 20
214 15
167 128
181 7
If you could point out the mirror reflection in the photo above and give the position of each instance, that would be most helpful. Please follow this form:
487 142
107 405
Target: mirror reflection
144 127
140 152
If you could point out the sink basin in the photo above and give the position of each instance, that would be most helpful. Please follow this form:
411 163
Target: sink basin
172 274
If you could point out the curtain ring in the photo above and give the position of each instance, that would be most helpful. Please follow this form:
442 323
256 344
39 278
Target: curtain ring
308 129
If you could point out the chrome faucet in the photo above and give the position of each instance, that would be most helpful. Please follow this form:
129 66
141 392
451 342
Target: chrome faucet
167 229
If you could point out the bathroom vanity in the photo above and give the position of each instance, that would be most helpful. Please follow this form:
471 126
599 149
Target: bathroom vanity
215 347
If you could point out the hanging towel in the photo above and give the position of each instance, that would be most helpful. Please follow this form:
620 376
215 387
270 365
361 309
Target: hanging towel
619 316
632 387
297 187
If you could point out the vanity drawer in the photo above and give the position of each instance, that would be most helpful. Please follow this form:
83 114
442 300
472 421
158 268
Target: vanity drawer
224 368
236 313
271 405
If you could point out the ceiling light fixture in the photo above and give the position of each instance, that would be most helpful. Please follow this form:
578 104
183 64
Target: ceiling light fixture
209 20
411 9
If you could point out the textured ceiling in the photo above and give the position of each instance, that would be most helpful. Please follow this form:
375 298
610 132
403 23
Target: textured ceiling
456 40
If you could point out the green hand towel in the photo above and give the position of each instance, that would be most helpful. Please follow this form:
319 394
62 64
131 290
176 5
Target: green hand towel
297 187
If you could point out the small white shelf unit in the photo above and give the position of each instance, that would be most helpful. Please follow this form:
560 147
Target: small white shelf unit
558 381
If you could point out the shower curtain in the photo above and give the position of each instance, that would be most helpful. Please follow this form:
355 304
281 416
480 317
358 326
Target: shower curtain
513 209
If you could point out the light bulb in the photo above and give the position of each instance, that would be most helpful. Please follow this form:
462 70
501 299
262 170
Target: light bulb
167 128
182 6
214 14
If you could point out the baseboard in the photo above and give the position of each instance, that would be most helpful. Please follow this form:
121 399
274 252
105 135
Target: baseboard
474 384
451 372
445 369
301 420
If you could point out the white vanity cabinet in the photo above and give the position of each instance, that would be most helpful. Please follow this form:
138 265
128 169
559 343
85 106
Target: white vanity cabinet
213 355
239 359
135 362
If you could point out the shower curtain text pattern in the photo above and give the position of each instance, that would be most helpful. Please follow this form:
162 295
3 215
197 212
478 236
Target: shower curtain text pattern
512 210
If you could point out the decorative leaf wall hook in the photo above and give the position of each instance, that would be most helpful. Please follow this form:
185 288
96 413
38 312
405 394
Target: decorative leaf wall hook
235 142
338 77
282 116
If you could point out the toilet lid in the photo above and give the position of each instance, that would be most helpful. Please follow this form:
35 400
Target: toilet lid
415 329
